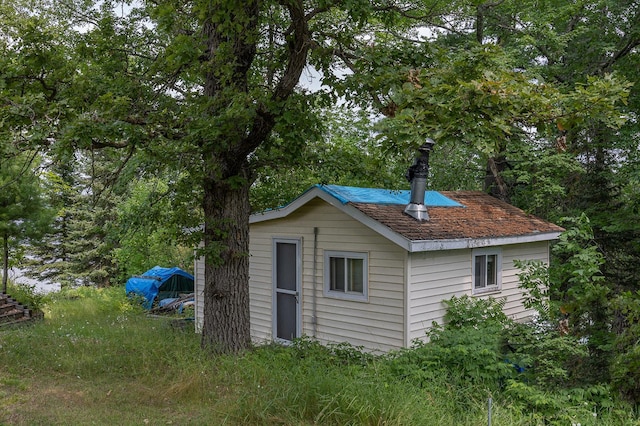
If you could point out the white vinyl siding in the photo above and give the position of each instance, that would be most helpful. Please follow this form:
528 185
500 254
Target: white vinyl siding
534 251
261 287
376 324
435 276
440 275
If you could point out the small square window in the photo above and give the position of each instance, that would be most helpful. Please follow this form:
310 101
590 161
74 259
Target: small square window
487 271
346 275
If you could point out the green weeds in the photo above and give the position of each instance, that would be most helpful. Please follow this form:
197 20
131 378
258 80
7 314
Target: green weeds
27 295
98 359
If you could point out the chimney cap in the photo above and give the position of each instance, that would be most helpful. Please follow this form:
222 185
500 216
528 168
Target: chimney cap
427 145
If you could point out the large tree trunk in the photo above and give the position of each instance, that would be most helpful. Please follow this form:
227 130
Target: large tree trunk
226 291
5 262
230 53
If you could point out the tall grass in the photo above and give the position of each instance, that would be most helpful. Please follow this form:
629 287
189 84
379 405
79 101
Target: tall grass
98 359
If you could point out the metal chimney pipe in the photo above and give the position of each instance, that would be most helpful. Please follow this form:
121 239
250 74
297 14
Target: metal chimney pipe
417 175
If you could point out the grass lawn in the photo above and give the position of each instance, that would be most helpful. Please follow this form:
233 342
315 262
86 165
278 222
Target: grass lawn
97 360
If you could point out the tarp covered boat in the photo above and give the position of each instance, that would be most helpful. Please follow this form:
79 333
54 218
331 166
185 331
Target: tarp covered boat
160 283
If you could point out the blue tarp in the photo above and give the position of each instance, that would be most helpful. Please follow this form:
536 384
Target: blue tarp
161 283
353 194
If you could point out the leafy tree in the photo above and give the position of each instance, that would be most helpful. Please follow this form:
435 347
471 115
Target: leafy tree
583 291
542 94
464 92
33 64
625 365
573 46
148 235
348 153
573 291
90 249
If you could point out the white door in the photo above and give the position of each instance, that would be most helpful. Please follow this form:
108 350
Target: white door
286 279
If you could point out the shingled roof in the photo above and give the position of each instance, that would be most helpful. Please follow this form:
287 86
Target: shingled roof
481 216
458 219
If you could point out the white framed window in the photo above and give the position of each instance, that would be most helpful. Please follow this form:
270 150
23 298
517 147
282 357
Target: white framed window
486 270
346 275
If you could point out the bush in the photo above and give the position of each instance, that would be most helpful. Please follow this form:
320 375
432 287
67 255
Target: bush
468 349
565 407
466 311
625 367
547 358
482 354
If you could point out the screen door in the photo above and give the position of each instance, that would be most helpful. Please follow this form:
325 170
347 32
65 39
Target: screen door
286 312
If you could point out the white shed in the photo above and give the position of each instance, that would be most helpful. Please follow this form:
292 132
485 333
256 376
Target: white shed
345 264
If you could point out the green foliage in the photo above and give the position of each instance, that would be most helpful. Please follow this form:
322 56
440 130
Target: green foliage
466 311
601 333
577 247
604 95
27 295
146 232
625 366
581 288
574 406
549 359
347 154
469 348
534 280
533 366
472 96
624 372
24 213
538 177
553 358
23 209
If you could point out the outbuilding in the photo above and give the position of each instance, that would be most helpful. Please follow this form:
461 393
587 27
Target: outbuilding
357 265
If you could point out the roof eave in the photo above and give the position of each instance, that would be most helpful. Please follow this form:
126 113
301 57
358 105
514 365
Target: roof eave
286 210
469 243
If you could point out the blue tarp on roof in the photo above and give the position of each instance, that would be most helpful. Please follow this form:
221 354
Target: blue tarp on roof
353 194
157 280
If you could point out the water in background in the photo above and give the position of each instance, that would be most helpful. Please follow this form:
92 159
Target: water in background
17 276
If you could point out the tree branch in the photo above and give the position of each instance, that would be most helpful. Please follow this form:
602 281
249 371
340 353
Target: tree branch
298 46
624 51
95 144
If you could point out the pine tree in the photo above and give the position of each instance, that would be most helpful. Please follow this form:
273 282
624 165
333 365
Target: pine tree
24 215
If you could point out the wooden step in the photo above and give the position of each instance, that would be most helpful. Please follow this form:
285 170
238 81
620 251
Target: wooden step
16 322
13 315
12 312
6 308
